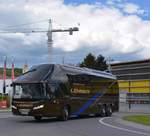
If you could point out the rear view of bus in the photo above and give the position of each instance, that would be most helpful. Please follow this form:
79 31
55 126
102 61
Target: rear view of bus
52 90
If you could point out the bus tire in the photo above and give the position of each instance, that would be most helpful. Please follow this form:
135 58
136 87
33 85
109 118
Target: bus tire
108 110
65 114
38 118
102 111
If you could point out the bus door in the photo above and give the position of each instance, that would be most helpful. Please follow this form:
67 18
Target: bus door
52 106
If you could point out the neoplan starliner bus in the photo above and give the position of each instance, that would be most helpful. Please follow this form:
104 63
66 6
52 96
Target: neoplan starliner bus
62 91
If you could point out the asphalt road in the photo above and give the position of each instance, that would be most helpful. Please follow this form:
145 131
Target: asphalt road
87 126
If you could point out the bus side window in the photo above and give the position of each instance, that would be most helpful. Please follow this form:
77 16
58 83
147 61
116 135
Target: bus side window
65 88
54 90
59 92
50 90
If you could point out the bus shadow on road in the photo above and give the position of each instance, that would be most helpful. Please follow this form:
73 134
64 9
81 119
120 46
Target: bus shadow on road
55 120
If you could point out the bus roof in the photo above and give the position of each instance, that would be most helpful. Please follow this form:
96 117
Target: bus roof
89 71
42 72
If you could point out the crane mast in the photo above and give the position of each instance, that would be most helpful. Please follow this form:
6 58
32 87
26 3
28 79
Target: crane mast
50 40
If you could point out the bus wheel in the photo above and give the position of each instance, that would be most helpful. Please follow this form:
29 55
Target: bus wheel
108 110
38 118
102 111
65 114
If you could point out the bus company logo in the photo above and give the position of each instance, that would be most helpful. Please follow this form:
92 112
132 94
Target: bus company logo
83 91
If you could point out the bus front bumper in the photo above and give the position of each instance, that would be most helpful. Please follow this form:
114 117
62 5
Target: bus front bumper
35 111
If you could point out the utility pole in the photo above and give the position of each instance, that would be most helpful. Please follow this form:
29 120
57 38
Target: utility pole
63 60
4 75
109 59
50 40
12 71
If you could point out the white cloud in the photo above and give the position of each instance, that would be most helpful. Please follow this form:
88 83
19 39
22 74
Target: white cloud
131 8
104 28
112 2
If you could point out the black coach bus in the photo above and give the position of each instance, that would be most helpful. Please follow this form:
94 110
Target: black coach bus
63 91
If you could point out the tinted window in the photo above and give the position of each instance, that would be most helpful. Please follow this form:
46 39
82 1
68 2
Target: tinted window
36 73
28 91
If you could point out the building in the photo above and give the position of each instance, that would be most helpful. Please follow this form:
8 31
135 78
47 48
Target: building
134 80
8 82
25 68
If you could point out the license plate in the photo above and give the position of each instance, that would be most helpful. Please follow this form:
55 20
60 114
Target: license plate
24 111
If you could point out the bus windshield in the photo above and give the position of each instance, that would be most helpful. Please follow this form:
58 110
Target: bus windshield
31 91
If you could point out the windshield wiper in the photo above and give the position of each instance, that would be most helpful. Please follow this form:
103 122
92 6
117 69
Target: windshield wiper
32 70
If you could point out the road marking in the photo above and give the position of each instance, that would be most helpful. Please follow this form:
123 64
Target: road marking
121 128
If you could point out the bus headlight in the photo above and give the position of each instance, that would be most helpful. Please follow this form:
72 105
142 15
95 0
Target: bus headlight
38 107
14 107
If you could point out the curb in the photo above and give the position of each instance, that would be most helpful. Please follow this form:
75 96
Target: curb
134 112
122 128
120 120
5 110
133 124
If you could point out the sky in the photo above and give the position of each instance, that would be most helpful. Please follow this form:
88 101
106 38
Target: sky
118 29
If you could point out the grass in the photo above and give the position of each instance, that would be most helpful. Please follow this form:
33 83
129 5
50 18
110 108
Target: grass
141 119
4 97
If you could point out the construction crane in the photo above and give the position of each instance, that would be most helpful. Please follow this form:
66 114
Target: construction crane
49 32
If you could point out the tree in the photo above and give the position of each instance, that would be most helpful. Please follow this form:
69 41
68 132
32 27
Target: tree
101 63
98 63
89 61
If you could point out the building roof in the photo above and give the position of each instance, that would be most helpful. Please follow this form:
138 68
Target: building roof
132 70
131 62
